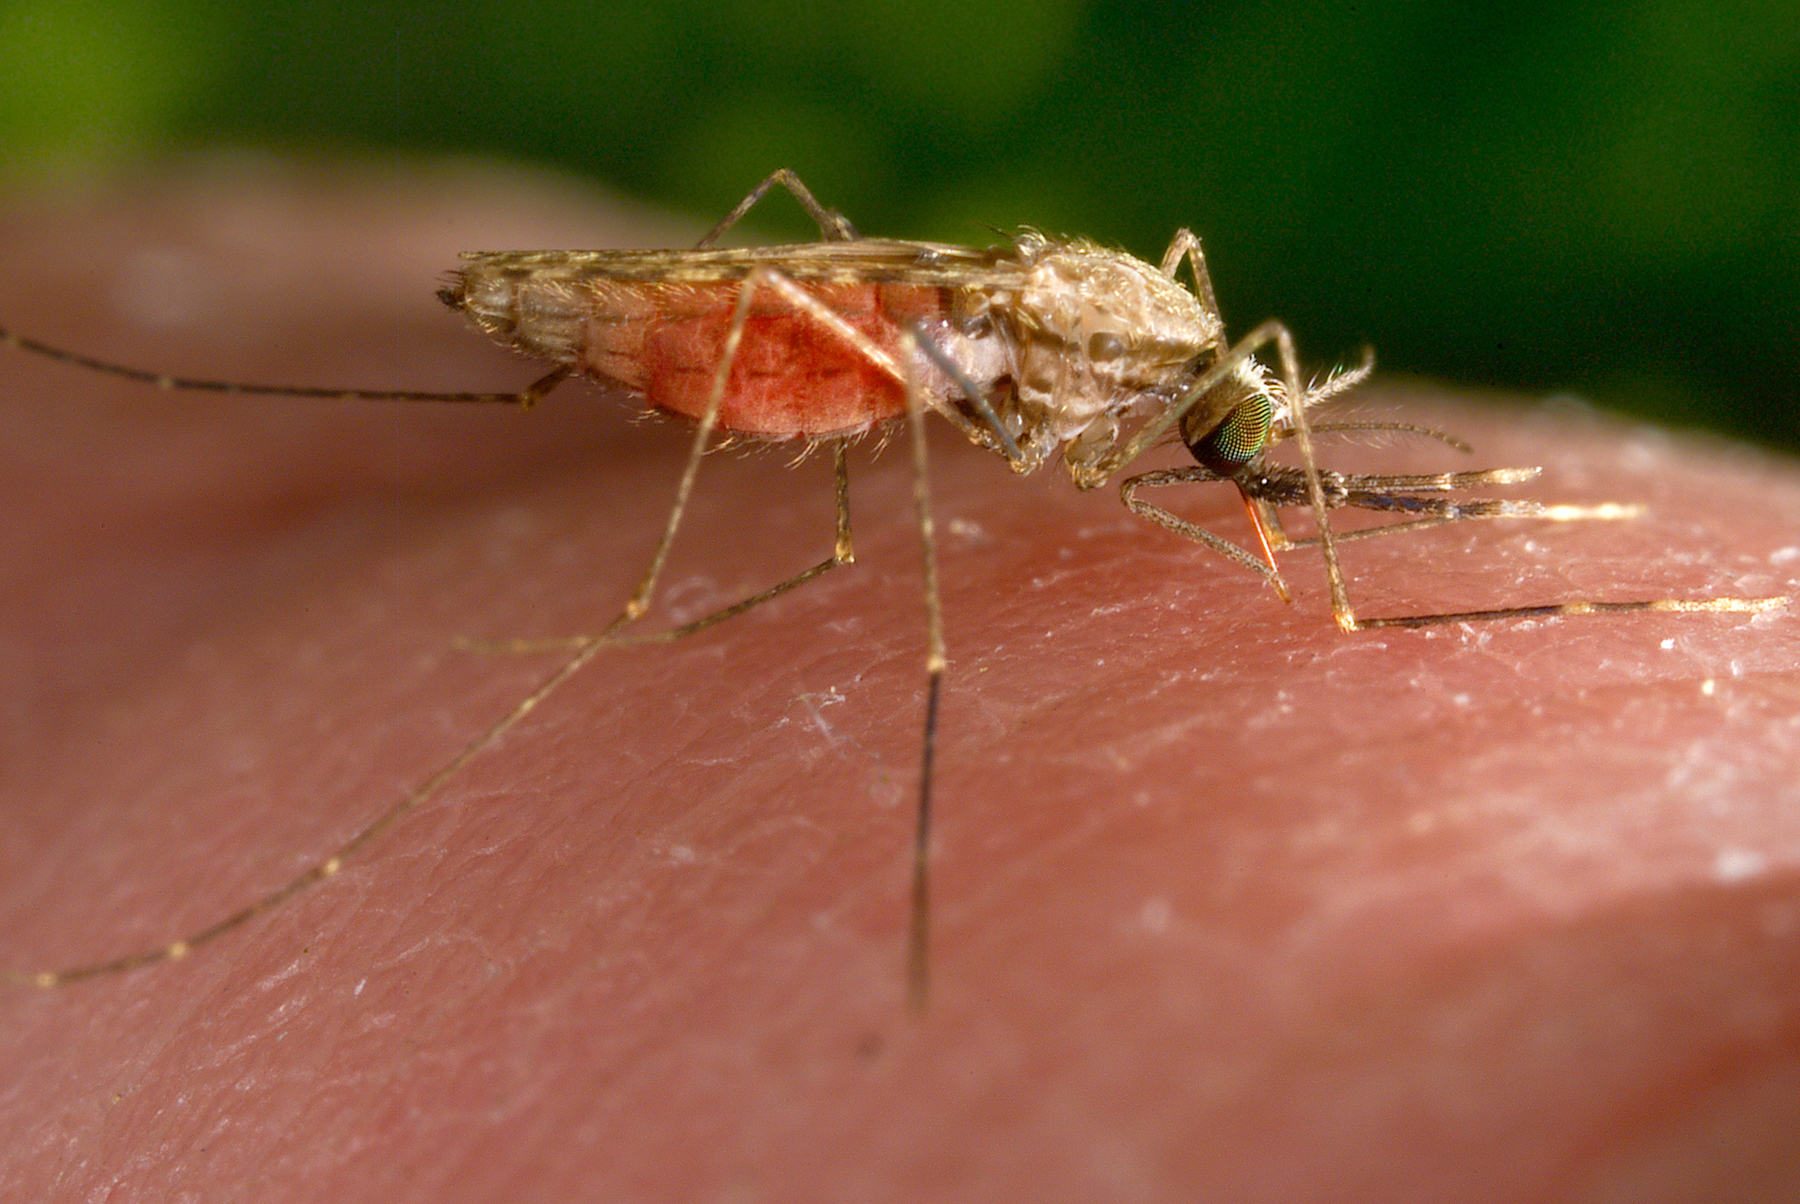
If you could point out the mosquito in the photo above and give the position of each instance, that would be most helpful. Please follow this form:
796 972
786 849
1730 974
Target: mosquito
1036 349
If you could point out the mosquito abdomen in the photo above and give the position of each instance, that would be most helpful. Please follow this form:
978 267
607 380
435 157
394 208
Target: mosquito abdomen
662 342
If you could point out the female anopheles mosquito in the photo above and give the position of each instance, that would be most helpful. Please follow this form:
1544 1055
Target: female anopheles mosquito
896 328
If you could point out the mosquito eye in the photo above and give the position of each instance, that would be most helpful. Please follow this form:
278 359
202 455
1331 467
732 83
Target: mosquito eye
1105 346
1236 441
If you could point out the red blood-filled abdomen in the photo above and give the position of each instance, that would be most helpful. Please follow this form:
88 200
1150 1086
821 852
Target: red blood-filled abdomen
793 377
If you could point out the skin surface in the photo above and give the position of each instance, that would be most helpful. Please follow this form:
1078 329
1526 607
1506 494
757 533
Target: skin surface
1229 905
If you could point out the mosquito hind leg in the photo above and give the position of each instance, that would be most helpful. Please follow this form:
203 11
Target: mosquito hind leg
833 226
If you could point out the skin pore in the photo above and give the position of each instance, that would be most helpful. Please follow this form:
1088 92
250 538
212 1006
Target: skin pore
1227 904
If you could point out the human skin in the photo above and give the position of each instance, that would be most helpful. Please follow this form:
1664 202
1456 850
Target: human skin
1229 905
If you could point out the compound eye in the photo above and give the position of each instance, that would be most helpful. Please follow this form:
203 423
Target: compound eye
1238 440
1104 346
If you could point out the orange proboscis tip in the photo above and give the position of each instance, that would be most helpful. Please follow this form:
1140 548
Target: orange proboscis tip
1268 553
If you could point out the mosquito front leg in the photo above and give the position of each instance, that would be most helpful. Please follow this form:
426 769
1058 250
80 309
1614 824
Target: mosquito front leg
1455 512
1315 489
833 226
1173 522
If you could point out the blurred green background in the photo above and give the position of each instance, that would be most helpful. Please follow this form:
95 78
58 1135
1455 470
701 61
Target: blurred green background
1596 197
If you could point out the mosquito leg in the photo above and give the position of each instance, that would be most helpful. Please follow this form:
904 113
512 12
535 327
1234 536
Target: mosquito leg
1186 245
833 226
1704 605
1577 607
1315 489
1182 527
188 384
918 942
842 553
991 431
325 868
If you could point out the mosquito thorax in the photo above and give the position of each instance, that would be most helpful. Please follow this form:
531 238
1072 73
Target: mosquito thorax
1098 335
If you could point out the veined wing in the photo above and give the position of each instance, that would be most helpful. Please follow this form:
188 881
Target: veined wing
861 261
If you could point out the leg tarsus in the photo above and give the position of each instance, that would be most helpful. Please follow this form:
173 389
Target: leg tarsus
918 929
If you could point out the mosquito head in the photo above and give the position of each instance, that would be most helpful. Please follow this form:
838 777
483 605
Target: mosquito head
452 294
1247 399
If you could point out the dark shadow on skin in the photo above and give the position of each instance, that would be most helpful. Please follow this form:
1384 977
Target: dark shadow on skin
1229 905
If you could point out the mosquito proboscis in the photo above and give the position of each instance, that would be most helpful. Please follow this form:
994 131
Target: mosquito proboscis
1036 349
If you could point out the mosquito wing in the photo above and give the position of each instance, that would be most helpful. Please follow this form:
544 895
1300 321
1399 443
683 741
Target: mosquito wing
862 261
